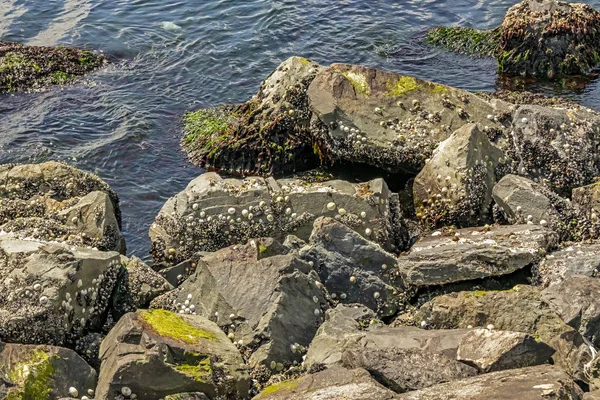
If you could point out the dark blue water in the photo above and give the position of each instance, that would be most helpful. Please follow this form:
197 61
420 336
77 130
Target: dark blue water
123 122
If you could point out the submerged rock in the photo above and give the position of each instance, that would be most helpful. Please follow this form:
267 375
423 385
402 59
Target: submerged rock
269 302
455 186
474 253
156 353
34 67
43 372
213 213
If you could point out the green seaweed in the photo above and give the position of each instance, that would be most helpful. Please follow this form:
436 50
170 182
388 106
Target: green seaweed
171 325
285 385
358 81
60 77
196 366
466 40
33 377
205 125
402 86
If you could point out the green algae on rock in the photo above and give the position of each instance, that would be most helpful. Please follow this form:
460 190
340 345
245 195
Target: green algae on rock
543 39
34 67
170 325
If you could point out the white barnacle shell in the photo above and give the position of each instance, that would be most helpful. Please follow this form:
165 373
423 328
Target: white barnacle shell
331 206
231 211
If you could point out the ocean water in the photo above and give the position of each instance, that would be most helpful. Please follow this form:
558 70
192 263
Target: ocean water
169 57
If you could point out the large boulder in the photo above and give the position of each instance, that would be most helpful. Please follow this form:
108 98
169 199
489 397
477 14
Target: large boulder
43 372
571 259
455 186
523 201
335 383
269 133
520 309
491 350
388 120
52 293
270 302
532 383
56 202
577 301
474 253
212 213
156 353
352 268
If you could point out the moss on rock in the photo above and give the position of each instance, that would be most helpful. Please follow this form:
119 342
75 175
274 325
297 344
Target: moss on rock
281 386
402 86
171 325
197 366
32 377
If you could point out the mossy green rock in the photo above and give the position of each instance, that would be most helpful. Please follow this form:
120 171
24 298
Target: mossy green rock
42 372
35 67
157 353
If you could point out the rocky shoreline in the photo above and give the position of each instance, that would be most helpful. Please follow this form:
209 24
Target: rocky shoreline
470 272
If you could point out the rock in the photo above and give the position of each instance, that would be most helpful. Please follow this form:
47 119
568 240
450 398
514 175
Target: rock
455 186
34 67
587 201
52 293
273 304
55 202
348 328
187 396
532 383
520 309
388 120
523 201
403 370
268 134
556 147
595 395
42 372
213 213
492 350
577 301
474 253
335 383
572 259
353 269
156 353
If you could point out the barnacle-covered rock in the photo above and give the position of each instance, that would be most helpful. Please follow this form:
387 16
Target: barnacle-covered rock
53 293
34 67
212 213
55 202
268 134
389 120
474 253
267 301
572 259
455 186
156 353
586 199
42 372
353 269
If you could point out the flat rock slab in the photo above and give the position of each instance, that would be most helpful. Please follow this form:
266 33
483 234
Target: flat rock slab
570 260
156 353
532 383
474 253
335 383
491 350
41 372
388 120
212 213
51 293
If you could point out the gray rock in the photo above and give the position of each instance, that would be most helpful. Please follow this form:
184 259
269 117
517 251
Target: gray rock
532 383
595 395
187 396
156 353
53 201
455 186
403 370
474 253
353 269
586 199
388 120
197 218
40 372
556 147
52 293
572 259
524 201
577 301
347 328
272 304
335 383
492 350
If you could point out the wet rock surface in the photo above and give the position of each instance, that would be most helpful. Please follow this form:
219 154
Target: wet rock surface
474 253
212 213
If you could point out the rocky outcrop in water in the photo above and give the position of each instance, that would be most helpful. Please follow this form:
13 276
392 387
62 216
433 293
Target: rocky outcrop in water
36 67
543 39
